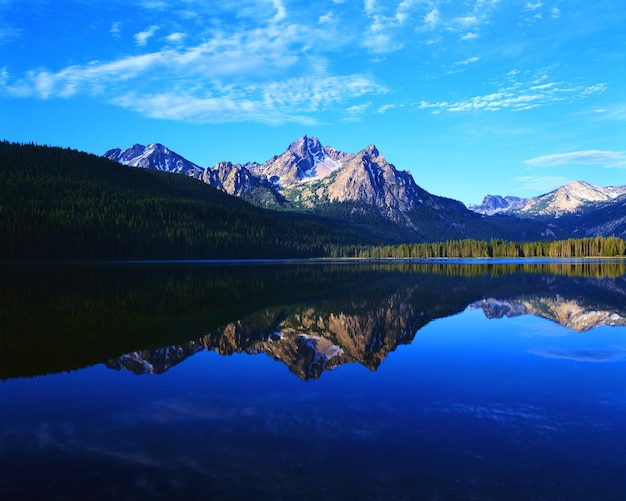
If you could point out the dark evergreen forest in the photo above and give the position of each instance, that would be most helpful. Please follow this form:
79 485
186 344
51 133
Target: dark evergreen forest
469 248
61 204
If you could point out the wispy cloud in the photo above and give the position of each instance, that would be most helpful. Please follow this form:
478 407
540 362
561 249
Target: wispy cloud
355 113
142 37
470 36
467 61
432 19
291 101
9 34
175 37
439 17
520 92
533 6
271 74
281 11
379 37
542 184
116 29
585 157
386 33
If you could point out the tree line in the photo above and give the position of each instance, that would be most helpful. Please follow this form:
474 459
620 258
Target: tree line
494 248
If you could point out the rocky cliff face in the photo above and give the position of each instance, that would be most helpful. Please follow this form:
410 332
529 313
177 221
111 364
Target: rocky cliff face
237 180
304 160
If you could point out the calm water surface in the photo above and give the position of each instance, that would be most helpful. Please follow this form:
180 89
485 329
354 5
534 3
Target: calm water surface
314 381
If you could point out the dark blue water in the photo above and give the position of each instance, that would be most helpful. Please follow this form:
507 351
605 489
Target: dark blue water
463 407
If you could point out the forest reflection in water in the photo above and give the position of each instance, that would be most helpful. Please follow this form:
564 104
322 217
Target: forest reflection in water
468 380
312 316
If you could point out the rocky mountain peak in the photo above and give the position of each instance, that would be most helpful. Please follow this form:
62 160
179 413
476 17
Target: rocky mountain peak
496 204
305 159
154 156
570 198
371 151
565 199
308 148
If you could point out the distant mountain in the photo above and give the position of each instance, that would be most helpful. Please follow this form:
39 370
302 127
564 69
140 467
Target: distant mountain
156 157
571 198
495 204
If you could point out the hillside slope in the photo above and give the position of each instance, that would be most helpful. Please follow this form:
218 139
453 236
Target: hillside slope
63 204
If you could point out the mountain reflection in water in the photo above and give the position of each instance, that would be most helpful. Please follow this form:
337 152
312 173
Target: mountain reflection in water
531 406
312 317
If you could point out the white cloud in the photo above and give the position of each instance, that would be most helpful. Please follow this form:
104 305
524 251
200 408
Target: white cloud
142 37
370 7
291 101
115 29
175 37
379 36
404 10
386 107
385 33
470 36
275 72
281 12
467 61
585 157
464 24
533 6
520 92
466 21
327 19
9 34
354 113
432 19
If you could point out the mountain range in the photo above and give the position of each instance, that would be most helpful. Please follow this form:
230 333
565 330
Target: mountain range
565 199
364 189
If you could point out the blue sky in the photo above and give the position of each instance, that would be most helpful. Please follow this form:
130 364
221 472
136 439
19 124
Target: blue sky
472 97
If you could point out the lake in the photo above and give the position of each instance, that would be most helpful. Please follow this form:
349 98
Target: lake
390 380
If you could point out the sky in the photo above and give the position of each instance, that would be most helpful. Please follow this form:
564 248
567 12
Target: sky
472 97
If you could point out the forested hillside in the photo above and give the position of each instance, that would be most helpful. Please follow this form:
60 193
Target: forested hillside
63 204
